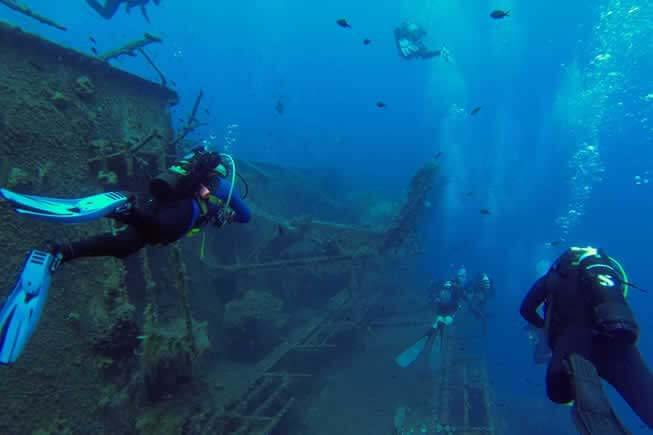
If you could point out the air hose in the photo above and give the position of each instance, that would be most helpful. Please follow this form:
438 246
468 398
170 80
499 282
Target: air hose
230 160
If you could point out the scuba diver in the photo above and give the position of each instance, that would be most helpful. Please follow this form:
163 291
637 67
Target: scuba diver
592 333
478 295
409 38
110 7
461 277
189 195
447 299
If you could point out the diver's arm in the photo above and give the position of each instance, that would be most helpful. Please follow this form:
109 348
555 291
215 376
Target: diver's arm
243 213
535 297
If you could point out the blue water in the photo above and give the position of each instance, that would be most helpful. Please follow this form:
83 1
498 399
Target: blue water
547 91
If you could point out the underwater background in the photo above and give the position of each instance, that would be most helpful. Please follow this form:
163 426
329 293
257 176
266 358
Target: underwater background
561 150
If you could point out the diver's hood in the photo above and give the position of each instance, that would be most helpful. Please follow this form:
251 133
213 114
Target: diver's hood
412 27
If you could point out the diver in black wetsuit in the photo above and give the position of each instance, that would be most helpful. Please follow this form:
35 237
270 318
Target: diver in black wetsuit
478 295
409 38
447 298
590 329
189 195
110 7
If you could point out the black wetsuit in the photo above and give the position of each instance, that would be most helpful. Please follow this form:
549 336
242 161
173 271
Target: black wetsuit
416 39
479 296
571 330
110 7
447 306
158 222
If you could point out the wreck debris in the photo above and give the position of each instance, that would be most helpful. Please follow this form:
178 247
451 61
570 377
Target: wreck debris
84 87
149 60
182 288
129 48
59 100
28 12
282 264
256 310
417 201
128 151
167 360
191 123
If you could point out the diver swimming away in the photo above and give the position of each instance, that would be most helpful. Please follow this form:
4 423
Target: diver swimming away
478 295
409 38
592 333
110 7
192 193
446 303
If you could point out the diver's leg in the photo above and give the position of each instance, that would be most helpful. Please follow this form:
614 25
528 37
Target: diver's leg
171 221
108 10
117 245
592 412
427 54
559 385
624 368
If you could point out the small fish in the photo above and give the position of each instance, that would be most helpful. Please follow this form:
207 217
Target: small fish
36 66
438 155
279 107
343 23
499 14
468 194
367 41
553 243
93 50
182 120
381 104
207 111
92 39
475 110
485 211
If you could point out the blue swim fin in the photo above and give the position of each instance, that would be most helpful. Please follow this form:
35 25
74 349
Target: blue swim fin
22 309
410 355
66 210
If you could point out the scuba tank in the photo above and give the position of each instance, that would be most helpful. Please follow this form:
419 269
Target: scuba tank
186 176
605 286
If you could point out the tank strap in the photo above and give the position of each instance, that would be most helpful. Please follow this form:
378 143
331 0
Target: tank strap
203 207
195 224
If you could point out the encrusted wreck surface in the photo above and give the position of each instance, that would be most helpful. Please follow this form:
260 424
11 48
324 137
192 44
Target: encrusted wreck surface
58 108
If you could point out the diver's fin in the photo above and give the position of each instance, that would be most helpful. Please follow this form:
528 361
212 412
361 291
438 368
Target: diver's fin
591 412
435 355
408 356
66 210
23 307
